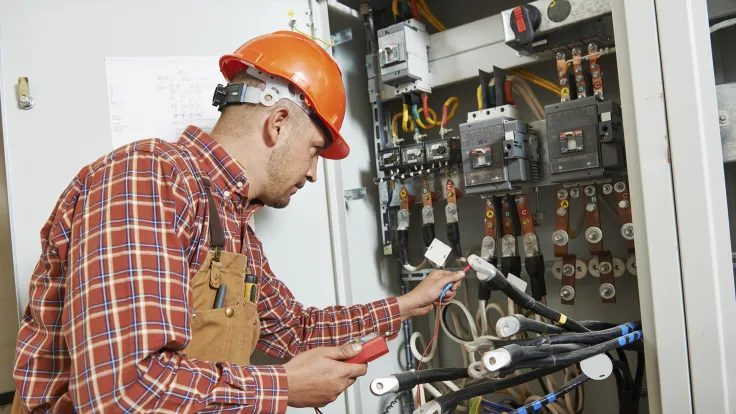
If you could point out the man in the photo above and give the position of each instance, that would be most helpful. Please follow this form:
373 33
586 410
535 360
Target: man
139 302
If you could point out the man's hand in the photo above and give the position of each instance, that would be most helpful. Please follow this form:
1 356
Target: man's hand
317 377
419 301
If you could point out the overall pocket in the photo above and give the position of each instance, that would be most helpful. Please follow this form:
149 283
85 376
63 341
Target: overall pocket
224 334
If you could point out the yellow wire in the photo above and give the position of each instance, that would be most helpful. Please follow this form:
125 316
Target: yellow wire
432 123
479 97
533 76
394 126
429 15
406 120
328 44
395 8
453 110
541 82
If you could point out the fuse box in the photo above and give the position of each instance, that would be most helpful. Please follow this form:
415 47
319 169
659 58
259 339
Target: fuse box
413 155
498 151
585 139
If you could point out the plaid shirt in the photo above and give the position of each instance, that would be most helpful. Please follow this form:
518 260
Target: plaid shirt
110 299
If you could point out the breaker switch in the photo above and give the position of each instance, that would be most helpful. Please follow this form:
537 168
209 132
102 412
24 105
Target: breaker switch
524 21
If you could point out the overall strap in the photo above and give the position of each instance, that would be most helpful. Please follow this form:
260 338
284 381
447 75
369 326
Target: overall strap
217 234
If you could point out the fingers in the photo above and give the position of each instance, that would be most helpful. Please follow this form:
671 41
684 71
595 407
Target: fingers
342 352
353 371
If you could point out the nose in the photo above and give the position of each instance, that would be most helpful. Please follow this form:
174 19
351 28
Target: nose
312 172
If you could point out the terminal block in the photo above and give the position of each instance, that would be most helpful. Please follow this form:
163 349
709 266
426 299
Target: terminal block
413 155
443 150
389 159
499 152
585 139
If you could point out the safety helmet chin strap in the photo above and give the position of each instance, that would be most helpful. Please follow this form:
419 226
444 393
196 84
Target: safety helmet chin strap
276 89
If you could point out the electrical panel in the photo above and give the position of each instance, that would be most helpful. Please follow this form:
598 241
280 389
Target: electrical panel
584 139
499 151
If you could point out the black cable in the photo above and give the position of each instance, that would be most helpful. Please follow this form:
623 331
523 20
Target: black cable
402 239
565 389
410 379
393 403
449 401
595 337
527 302
585 353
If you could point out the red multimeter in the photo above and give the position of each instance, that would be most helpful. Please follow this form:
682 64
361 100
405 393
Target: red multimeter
374 346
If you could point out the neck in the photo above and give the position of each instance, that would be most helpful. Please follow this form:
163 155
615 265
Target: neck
235 142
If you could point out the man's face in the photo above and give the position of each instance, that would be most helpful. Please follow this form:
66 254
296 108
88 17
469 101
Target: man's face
293 162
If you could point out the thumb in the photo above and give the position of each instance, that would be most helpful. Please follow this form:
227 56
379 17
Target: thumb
345 351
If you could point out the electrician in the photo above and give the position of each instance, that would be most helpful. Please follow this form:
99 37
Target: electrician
122 313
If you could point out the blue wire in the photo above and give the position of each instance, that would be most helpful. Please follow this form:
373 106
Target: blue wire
491 404
442 295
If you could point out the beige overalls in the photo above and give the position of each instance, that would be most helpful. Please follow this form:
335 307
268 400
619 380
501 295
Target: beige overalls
227 334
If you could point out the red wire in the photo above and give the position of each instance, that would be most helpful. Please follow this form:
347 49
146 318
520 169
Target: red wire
425 104
507 92
444 115
434 338
414 11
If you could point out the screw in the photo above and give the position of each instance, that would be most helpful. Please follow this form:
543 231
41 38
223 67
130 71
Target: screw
567 292
629 231
593 236
578 69
403 213
427 213
563 82
607 189
590 207
606 291
576 51
623 204
596 74
578 78
559 238
574 192
562 73
594 67
309 24
605 267
560 55
592 46
561 211
590 191
723 118
620 187
452 209
562 194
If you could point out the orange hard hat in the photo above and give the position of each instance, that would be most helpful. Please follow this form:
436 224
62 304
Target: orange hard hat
308 66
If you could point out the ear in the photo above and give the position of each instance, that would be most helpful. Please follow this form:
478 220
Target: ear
276 122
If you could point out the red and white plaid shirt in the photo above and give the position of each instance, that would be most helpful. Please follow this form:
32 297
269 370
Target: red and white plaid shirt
110 299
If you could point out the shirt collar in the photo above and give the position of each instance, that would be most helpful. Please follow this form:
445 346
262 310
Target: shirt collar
224 171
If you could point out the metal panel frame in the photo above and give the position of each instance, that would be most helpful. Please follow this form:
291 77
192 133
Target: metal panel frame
653 205
700 197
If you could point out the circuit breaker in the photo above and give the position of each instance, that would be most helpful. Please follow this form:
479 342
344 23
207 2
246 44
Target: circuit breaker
499 152
585 139
402 55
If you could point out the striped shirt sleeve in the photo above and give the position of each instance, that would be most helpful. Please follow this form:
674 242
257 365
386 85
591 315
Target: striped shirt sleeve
127 315
288 327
